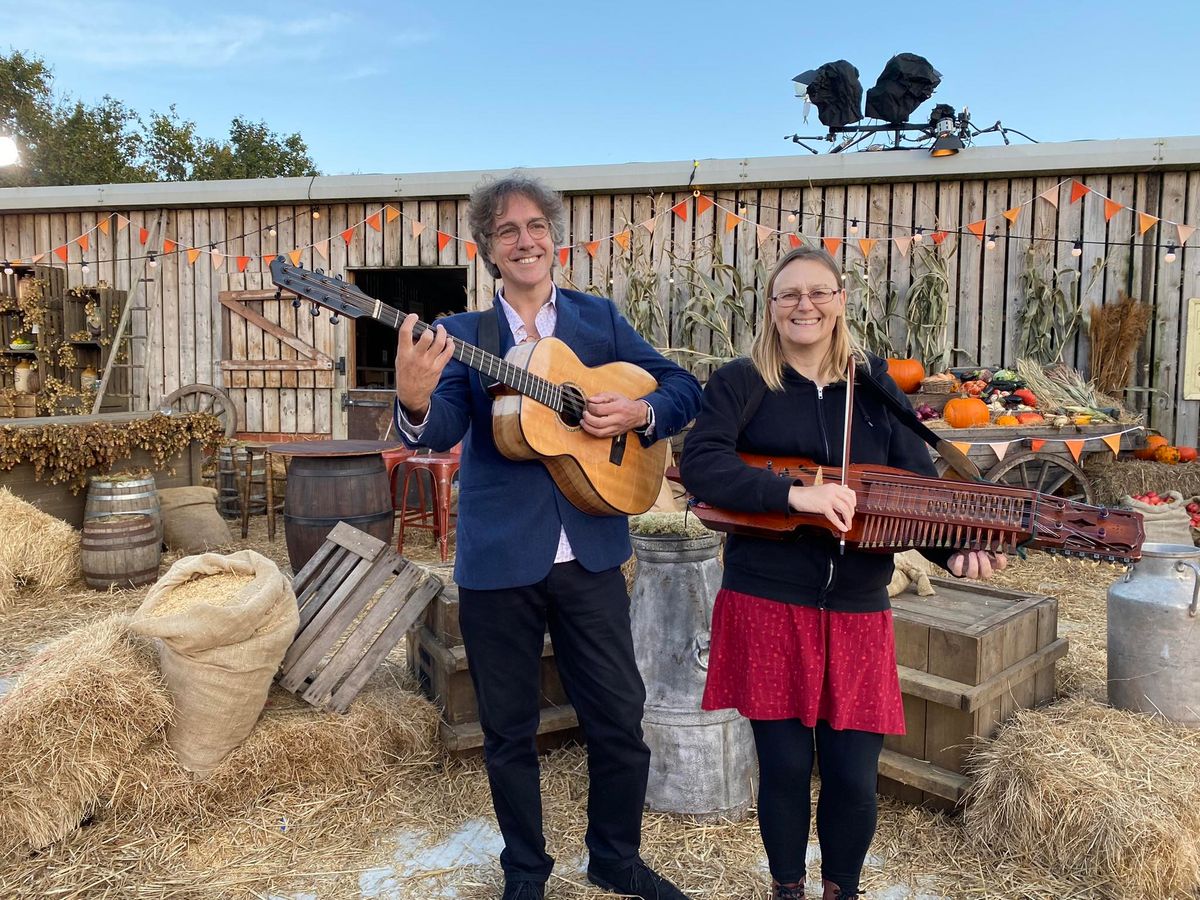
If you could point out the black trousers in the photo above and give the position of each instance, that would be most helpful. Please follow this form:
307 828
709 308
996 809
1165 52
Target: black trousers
846 810
588 617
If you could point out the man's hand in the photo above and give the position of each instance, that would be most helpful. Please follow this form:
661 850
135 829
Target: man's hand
610 414
979 564
419 365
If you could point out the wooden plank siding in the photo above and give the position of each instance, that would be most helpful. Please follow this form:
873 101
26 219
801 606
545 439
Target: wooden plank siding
186 334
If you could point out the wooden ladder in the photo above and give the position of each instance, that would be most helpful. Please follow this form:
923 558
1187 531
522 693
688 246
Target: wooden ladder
347 624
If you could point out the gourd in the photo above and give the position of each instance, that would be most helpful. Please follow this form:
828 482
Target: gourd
1007 420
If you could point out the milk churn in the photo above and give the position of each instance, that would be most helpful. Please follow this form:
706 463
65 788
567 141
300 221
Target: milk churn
702 763
1154 635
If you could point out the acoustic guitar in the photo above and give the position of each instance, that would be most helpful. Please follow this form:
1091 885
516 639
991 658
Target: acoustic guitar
537 411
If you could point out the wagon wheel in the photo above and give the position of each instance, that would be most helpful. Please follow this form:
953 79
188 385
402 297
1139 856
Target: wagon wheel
1047 473
203 398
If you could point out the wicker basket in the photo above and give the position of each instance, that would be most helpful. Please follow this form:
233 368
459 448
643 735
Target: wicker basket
939 386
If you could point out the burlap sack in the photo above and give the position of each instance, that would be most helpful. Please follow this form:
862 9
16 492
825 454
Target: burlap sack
191 523
218 661
1165 524
912 569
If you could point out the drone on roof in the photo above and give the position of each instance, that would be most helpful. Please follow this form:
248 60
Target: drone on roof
906 82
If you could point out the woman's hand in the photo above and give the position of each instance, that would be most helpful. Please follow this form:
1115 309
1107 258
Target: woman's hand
979 564
835 502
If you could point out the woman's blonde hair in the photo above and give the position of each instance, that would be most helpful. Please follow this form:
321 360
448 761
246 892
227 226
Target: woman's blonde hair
767 350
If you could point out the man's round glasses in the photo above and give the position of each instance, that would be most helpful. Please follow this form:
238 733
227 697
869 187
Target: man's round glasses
788 299
510 233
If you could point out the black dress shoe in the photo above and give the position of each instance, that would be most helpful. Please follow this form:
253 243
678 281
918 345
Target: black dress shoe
524 890
635 880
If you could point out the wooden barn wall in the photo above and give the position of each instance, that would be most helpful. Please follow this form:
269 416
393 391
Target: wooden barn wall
183 323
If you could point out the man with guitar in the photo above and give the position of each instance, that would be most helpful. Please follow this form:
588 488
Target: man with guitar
528 556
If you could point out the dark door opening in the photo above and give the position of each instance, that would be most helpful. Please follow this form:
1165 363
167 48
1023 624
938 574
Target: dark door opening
429 293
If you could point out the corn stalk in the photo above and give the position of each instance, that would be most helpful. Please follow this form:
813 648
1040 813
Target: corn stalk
1050 312
927 309
717 310
871 305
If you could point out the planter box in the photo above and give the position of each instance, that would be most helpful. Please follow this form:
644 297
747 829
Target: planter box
969 656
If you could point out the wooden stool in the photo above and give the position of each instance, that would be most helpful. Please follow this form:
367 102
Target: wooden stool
440 469
267 479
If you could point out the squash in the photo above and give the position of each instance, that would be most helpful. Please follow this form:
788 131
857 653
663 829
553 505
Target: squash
907 373
1144 453
1007 419
966 412
1155 441
1166 454
1031 418
1187 454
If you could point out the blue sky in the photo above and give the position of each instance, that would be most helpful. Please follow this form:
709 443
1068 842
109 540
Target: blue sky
410 87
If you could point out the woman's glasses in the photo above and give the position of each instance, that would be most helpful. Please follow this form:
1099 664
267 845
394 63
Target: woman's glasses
788 299
510 233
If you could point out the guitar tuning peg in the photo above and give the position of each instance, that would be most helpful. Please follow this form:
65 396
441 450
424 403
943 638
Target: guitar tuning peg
278 293
314 310
319 271
334 319
295 302
338 277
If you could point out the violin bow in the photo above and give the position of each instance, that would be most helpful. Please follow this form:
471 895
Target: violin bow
846 438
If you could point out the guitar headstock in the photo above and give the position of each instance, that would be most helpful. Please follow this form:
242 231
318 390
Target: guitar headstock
343 298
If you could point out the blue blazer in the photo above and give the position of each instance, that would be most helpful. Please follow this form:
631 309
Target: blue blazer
510 512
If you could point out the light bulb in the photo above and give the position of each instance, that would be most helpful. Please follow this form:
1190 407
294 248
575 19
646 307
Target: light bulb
854 226
8 269
152 262
991 242
272 232
918 235
1077 248
742 210
791 217
84 268
1169 256
316 214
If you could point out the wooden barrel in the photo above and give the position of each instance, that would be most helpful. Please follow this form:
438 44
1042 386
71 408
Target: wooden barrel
124 497
119 551
325 490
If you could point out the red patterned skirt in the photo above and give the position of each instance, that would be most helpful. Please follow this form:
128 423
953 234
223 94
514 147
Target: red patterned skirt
773 660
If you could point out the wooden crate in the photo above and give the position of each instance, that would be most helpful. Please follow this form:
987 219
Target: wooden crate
438 659
969 656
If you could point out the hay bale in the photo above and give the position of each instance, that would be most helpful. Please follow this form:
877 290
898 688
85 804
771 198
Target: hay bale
69 726
39 552
1113 479
1105 794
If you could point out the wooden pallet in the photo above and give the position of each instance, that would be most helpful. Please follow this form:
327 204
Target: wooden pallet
347 625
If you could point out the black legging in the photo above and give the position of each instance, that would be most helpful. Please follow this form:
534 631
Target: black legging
846 809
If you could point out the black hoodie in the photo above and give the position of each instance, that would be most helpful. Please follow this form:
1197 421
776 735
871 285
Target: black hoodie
800 420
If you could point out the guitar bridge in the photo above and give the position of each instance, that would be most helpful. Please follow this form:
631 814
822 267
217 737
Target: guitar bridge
616 450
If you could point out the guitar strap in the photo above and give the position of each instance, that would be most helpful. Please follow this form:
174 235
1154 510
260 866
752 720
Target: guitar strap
489 341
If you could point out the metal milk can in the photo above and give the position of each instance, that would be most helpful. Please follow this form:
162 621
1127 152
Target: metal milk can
1154 635
701 763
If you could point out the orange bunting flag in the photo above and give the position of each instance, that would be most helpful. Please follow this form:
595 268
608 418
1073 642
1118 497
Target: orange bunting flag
443 239
348 236
1146 222
103 225
217 258
322 247
1111 208
391 213
1050 195
1000 448
680 209
1185 232
703 205
938 236
268 259
961 446
143 235
61 252
902 244
1113 441
418 227
831 245
731 221
82 241
1012 215
650 224
1079 191
563 254
764 232
295 256
122 223
373 221
866 245
193 254
1036 444
592 247
169 245
472 249
242 262
977 228
623 239
1076 447
795 241
37 259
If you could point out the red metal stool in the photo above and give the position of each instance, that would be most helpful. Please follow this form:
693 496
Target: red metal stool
393 461
440 469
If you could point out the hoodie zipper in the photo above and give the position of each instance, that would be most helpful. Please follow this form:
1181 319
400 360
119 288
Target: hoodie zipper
821 597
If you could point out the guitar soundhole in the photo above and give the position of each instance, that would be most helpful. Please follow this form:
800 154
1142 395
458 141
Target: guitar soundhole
574 404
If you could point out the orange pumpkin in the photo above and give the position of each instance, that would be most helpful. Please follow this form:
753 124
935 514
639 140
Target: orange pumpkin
966 412
1155 441
1007 419
1166 454
907 373
1186 454
1031 418
1146 453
